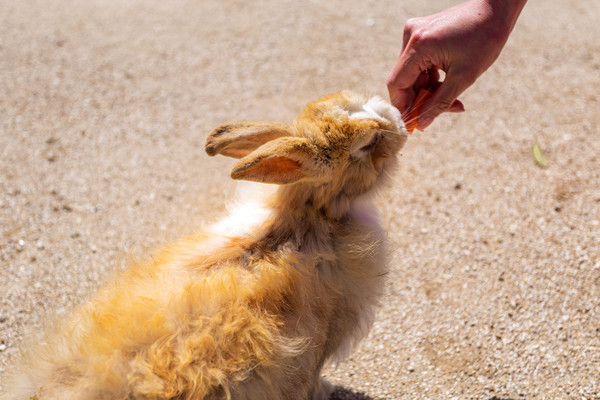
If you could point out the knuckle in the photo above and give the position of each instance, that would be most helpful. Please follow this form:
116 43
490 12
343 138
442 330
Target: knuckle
409 25
443 105
391 80
412 25
419 38
415 33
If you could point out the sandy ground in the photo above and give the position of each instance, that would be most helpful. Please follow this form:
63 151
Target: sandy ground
495 282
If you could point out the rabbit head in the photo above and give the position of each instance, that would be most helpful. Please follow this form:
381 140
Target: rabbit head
340 147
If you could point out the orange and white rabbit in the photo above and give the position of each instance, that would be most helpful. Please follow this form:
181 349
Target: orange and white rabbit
252 307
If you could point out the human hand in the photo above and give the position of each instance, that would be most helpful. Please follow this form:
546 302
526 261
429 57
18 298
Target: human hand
463 41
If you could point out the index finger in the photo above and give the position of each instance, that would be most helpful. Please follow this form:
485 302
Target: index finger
400 82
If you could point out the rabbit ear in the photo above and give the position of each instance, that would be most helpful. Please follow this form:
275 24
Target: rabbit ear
281 161
239 139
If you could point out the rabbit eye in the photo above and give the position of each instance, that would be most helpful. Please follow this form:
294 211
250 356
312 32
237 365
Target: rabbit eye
363 152
372 144
369 147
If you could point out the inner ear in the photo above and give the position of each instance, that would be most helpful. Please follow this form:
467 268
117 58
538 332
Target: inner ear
278 169
280 161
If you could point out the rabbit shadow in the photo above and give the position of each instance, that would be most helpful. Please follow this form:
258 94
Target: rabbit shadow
341 393
501 398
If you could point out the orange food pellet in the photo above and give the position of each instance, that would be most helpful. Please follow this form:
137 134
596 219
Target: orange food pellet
412 117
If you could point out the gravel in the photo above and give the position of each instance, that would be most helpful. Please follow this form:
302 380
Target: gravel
495 275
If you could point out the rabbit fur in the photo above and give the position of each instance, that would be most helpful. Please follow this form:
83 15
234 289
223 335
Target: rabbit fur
252 307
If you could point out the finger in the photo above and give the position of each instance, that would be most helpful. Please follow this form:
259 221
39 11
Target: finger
442 100
422 82
407 69
400 82
408 32
401 98
457 106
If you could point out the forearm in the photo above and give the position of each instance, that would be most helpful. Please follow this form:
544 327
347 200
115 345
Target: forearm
504 12
507 8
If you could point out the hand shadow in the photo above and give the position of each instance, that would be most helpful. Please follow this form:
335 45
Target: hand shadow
341 393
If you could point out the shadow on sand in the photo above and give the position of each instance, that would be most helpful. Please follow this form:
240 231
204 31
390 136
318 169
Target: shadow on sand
501 398
341 393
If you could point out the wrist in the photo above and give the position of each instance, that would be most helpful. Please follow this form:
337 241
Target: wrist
504 12
501 16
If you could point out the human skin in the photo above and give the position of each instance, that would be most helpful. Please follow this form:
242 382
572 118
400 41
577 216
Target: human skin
462 41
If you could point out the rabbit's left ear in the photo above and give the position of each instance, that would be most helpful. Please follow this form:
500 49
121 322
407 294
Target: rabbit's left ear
281 161
239 139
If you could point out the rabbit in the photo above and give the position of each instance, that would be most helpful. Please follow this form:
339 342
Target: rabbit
253 306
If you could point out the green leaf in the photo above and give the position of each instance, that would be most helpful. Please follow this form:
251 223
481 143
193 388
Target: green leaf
538 156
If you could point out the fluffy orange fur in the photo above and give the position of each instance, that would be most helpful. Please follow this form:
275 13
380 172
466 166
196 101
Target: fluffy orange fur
243 316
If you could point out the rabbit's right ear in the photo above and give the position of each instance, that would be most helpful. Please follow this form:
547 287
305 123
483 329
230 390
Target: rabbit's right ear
281 161
239 139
